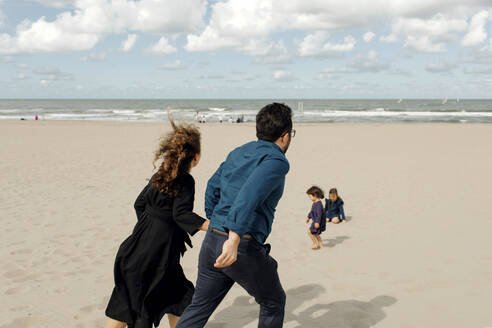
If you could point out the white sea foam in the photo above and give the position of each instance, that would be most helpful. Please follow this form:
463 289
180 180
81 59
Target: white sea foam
398 114
123 111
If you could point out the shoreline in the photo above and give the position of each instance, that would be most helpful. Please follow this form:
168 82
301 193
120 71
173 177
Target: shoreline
101 122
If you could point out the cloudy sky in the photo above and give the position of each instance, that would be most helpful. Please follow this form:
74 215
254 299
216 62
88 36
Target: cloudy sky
245 49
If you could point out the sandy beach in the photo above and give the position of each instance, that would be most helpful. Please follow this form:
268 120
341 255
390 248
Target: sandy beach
415 253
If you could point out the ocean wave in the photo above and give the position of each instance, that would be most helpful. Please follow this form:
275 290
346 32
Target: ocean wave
400 114
124 111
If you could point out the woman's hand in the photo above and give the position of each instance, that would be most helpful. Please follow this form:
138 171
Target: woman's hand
204 226
316 225
307 220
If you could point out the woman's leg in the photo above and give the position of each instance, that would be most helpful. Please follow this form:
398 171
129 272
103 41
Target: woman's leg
173 320
111 323
320 242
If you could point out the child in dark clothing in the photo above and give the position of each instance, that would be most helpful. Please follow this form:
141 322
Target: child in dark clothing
334 207
317 214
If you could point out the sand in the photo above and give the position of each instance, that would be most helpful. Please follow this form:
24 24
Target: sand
415 253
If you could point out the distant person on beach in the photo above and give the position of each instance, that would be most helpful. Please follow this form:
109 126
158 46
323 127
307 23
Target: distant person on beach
334 207
240 201
36 117
317 214
149 280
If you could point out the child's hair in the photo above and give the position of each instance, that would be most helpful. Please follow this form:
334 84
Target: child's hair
176 150
333 191
316 192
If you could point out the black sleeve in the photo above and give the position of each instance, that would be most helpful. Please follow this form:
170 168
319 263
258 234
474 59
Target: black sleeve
183 207
140 202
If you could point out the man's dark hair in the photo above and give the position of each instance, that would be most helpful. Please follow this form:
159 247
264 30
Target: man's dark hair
272 121
316 192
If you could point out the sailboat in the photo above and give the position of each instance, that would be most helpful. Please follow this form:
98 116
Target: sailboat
400 100
445 100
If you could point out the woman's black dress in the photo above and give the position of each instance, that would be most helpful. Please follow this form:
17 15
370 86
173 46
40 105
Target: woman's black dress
149 281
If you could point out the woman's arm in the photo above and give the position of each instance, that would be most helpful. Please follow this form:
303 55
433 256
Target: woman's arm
140 202
183 213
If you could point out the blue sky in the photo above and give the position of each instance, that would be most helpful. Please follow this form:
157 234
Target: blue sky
245 49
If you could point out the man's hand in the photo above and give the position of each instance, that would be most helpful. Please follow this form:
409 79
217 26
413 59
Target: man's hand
316 225
229 251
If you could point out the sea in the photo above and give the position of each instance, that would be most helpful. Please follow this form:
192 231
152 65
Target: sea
229 110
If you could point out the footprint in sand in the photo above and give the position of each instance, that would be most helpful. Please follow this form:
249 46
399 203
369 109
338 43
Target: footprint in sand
27 277
23 308
86 311
21 251
91 324
17 290
11 274
27 322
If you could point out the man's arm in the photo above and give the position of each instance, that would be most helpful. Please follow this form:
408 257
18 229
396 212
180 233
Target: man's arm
264 179
212 194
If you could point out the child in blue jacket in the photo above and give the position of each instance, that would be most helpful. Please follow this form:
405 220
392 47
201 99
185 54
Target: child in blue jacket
334 207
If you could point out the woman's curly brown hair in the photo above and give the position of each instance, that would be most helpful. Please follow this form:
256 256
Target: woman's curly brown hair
176 150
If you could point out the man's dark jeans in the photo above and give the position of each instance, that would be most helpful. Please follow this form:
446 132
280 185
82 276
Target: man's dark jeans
254 270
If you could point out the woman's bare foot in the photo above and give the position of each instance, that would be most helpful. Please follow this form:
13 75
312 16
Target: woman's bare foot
315 247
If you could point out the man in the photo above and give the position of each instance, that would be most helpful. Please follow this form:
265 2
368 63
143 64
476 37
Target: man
240 201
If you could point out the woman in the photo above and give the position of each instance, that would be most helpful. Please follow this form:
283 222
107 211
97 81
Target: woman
149 281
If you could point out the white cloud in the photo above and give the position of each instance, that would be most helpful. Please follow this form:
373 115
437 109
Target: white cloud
232 24
91 20
426 35
371 62
440 67
162 47
315 45
176 65
479 70
2 18
49 73
268 52
94 57
21 76
6 59
476 31
129 42
56 3
283 76
368 36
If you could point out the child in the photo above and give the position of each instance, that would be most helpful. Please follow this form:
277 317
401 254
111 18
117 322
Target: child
334 208
317 214
149 281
